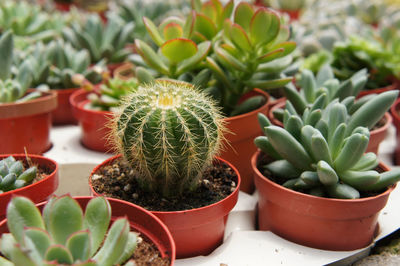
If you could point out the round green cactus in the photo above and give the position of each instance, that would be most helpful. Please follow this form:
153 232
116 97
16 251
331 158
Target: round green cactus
169 132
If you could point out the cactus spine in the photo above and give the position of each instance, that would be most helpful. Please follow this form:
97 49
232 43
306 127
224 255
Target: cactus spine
169 132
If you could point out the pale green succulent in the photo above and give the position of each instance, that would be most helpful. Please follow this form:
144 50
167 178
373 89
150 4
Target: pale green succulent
323 152
13 175
65 235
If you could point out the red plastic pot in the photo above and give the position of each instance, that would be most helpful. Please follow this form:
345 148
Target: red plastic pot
140 220
375 139
38 191
390 87
93 123
63 113
64 7
27 125
113 66
197 231
324 223
243 129
395 109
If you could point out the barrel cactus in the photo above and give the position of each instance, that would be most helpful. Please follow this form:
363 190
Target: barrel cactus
64 235
170 133
13 175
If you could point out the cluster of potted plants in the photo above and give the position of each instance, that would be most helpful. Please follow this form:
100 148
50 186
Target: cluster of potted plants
185 119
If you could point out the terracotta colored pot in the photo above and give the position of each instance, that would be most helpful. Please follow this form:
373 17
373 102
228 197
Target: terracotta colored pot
38 191
64 7
124 72
240 147
324 223
379 90
395 109
93 123
197 231
140 220
27 125
375 139
63 113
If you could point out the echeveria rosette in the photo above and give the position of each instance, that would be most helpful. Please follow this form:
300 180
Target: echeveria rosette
252 53
323 154
64 234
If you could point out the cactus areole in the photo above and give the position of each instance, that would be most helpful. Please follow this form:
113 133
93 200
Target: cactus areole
169 132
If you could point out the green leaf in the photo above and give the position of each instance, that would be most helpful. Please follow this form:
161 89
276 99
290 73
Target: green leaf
153 31
343 191
270 56
351 153
265 146
129 248
359 179
192 62
210 10
219 73
60 254
150 57
268 84
66 217
387 178
264 27
283 169
240 38
288 47
228 60
172 31
367 162
79 245
21 213
189 25
40 238
97 219
205 26
326 174
177 50
295 98
243 14
6 55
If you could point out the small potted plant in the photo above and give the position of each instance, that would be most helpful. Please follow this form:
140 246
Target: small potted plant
93 106
167 134
292 8
103 42
25 115
227 59
77 231
33 176
316 184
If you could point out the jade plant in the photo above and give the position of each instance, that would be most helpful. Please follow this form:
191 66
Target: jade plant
13 175
325 156
103 42
110 93
65 235
169 132
13 86
248 52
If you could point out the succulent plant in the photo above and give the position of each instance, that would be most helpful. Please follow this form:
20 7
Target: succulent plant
358 53
288 4
64 235
170 133
102 41
110 94
13 175
326 156
13 87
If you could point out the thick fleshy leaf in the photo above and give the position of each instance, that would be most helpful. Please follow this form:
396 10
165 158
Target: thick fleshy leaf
129 248
219 73
288 47
153 31
268 84
264 27
177 50
243 14
228 60
66 217
283 35
60 254
79 245
189 63
188 28
172 31
208 9
230 49
227 11
240 38
40 238
150 57
6 55
21 213
205 26
169 20
268 57
5 262
97 219
19 257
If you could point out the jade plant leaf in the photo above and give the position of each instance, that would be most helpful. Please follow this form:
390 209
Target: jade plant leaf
153 31
177 50
202 51
205 26
172 31
240 38
264 27
243 13
150 57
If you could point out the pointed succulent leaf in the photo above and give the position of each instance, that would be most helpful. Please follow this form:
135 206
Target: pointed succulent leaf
268 84
264 27
337 115
324 74
309 85
79 245
243 14
21 213
320 148
65 218
192 62
295 98
177 50
288 147
336 140
97 219
60 254
6 55
153 31
150 57
263 121
294 125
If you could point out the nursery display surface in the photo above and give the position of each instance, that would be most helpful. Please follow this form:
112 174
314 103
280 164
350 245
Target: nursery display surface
201 132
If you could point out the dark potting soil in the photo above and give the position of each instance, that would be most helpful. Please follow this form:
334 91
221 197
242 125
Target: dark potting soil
119 180
263 160
146 254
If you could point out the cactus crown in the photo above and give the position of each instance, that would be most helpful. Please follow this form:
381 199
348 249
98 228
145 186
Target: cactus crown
323 153
169 132
13 175
64 235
